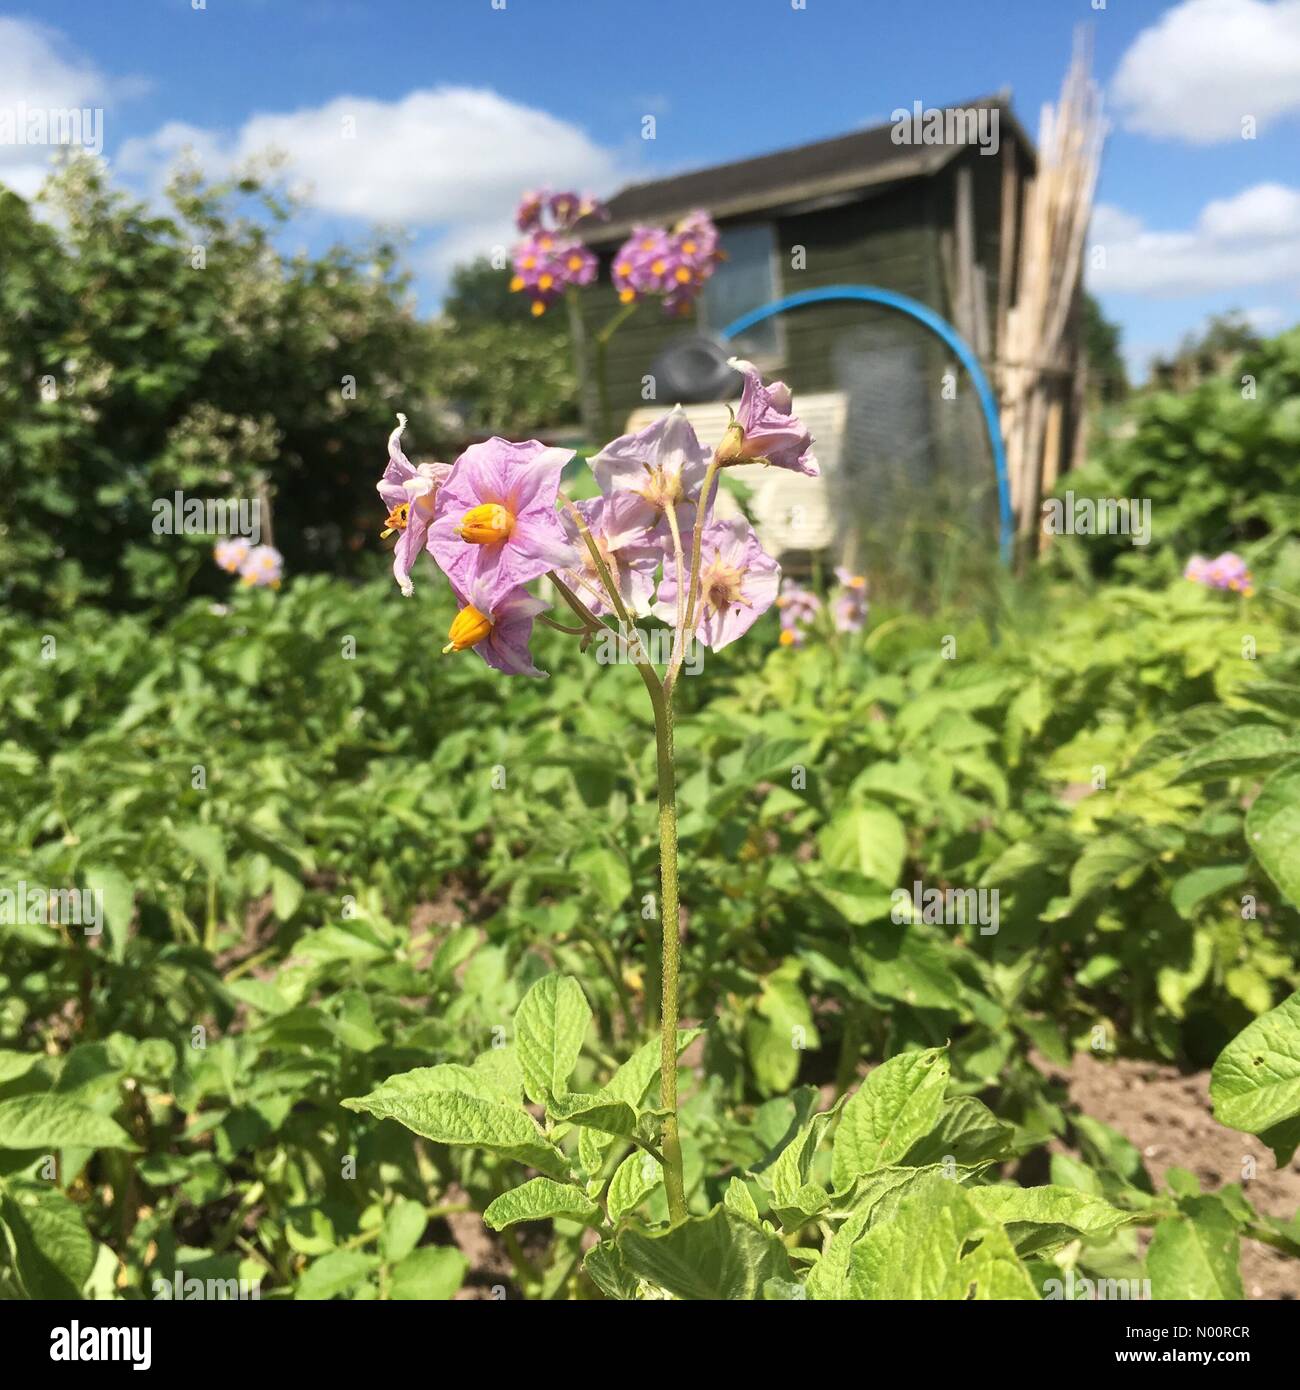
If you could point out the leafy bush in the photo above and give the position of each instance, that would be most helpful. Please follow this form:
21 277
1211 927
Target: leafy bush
1220 465
141 354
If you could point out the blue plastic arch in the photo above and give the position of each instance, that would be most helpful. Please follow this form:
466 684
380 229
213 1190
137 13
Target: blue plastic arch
868 294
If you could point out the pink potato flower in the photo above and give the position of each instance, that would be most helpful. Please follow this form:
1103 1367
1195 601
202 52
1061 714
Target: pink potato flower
797 606
409 494
547 264
497 625
662 465
1226 571
495 518
765 429
262 568
849 610
231 554
632 555
672 264
738 583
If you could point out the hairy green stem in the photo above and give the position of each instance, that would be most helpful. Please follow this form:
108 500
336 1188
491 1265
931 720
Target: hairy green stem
674 1183
661 700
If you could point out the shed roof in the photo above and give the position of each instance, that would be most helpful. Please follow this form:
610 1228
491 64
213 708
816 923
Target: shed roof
827 170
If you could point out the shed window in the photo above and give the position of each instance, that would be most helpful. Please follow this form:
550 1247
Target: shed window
744 281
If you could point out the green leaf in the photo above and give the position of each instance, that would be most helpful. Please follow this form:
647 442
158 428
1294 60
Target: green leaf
604 1265
1195 1255
550 1025
605 873
895 1106
403 1226
1255 1081
967 1132
537 1200
119 905
1193 888
1253 748
1188 730
1103 862
55 1122
597 1111
1046 1218
718 1256
879 1192
741 1200
459 1117
339 1272
868 839
634 1180
203 843
53 1251
432 1273
1273 829
937 1246
859 900
641 1070
795 1198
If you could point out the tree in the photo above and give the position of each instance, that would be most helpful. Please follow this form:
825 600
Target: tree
141 354
1107 374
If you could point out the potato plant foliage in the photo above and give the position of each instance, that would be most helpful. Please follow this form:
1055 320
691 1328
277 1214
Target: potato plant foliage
373 929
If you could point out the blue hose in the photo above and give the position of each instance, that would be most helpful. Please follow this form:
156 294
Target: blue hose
867 294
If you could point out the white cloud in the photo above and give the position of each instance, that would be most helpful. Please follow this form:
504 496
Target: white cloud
450 156
38 73
1252 238
1208 63
1267 319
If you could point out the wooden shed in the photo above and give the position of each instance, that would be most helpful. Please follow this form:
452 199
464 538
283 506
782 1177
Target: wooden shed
939 222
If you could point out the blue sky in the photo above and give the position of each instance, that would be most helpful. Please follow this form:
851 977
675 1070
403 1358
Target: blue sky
456 104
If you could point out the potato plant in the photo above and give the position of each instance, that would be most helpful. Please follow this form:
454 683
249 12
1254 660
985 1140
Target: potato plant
363 973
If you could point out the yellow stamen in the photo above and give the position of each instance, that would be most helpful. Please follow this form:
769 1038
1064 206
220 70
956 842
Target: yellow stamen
626 296
468 628
396 520
648 244
657 267
787 638
546 243
688 247
486 524
528 262
575 262
517 282
624 267
539 307
683 275
544 282
720 587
